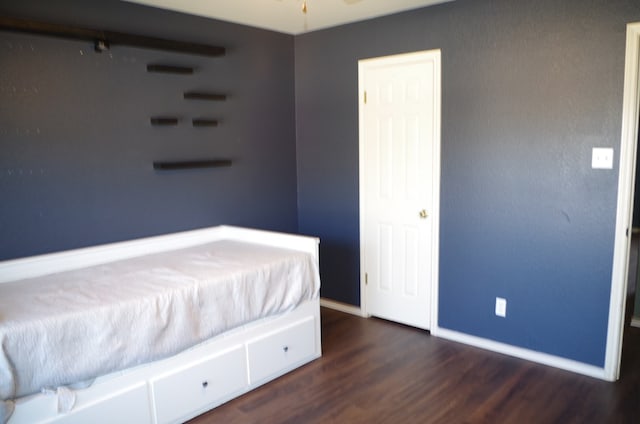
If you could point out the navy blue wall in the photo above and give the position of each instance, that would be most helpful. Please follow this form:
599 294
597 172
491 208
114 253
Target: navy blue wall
76 145
528 88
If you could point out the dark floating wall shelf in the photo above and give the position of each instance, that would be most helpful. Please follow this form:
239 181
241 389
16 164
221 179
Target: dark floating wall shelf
191 164
164 120
170 69
205 122
103 39
200 95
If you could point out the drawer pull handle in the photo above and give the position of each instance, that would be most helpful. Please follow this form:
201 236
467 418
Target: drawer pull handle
286 349
205 384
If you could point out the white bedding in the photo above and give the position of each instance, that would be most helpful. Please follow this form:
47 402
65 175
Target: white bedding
74 326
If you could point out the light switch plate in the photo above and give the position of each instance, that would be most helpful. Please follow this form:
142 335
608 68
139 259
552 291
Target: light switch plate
602 158
501 307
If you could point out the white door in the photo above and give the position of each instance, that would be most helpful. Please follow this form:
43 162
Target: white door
399 185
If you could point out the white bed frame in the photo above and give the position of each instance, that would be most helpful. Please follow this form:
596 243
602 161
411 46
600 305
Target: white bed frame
186 385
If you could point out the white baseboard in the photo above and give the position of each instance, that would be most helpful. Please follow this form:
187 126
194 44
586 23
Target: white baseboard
635 322
522 353
342 307
502 348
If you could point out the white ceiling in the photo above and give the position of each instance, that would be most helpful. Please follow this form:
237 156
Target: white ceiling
286 15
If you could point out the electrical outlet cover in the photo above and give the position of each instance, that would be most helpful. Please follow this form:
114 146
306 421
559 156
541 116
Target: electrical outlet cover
602 158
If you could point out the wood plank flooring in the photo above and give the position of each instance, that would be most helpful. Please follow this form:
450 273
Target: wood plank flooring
374 371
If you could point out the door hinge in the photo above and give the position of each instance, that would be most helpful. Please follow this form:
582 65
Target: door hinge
366 279
365 97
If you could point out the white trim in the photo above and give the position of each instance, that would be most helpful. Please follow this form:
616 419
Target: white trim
342 307
35 266
629 137
434 215
361 178
518 352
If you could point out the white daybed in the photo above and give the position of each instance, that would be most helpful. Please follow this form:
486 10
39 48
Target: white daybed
269 308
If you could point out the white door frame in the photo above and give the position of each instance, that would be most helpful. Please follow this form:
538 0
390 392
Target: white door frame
624 214
434 213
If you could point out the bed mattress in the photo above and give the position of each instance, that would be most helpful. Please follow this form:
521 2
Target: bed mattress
71 327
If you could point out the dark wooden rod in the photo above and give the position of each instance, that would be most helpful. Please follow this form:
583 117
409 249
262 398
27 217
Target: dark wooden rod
191 164
201 122
170 69
105 38
199 95
164 120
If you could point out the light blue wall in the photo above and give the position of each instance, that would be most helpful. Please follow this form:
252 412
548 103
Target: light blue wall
528 88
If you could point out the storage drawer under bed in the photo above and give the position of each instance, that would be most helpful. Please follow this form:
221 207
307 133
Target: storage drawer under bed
128 405
202 383
200 386
278 352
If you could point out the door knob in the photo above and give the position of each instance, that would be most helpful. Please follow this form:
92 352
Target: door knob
423 214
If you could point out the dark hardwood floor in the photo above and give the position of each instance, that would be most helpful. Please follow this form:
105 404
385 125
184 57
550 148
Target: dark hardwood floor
376 371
